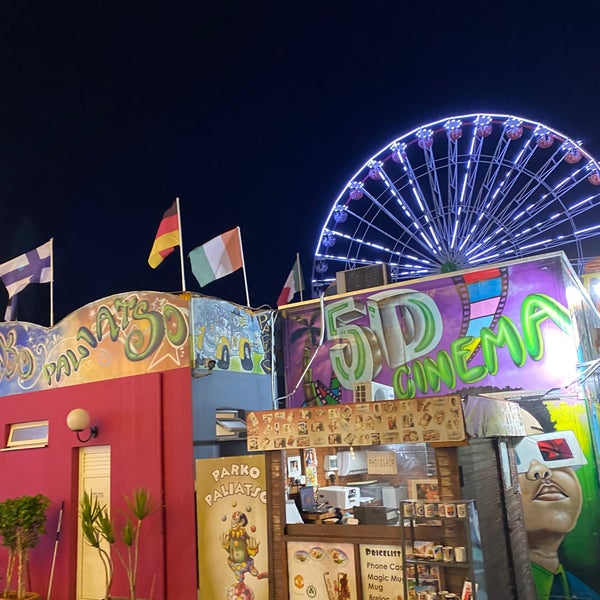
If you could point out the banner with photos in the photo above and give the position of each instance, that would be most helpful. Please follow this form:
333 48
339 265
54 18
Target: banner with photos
434 419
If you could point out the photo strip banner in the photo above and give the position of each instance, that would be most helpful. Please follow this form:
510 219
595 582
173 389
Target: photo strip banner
435 419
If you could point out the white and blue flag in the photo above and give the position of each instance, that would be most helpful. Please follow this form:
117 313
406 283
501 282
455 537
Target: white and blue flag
34 266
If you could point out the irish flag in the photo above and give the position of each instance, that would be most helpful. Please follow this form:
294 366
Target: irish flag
293 284
218 257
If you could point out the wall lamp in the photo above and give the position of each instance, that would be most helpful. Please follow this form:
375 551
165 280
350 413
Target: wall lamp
78 420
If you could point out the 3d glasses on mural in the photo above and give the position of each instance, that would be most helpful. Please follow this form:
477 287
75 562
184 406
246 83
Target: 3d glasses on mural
557 449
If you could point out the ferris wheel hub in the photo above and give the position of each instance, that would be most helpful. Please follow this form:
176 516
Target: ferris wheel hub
449 267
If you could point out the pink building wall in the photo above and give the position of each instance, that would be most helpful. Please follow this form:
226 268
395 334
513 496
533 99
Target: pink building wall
147 422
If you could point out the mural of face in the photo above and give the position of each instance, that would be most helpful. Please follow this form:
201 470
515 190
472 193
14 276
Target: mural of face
551 500
551 494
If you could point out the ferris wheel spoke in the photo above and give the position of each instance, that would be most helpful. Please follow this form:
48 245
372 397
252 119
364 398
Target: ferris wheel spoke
569 182
508 214
486 196
512 209
585 204
495 198
464 221
495 162
425 137
402 203
553 162
535 181
410 236
360 244
413 229
556 197
427 215
588 232
449 219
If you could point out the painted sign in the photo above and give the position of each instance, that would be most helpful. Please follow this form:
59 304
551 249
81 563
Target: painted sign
236 338
381 571
233 545
431 419
122 335
509 324
321 570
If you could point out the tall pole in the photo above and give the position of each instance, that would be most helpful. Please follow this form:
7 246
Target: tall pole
181 246
300 278
60 516
243 267
51 282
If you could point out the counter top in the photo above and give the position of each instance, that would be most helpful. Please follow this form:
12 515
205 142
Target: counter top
356 533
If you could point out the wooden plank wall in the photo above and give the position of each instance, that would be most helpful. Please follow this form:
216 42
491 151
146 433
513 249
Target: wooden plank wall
517 531
276 493
498 513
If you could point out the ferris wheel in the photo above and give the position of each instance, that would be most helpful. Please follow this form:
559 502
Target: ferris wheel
461 192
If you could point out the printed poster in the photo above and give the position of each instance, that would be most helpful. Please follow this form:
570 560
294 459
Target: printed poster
381 571
323 571
233 546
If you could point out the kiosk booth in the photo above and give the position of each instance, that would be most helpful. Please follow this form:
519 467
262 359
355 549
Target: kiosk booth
418 394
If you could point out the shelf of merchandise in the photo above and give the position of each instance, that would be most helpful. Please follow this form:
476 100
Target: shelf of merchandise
439 536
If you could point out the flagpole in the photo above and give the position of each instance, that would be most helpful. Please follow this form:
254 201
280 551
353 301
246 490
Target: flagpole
51 282
180 246
243 267
300 279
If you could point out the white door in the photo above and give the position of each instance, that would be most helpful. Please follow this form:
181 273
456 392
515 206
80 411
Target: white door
94 477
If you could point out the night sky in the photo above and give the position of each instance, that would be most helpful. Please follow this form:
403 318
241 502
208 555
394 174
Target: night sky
254 114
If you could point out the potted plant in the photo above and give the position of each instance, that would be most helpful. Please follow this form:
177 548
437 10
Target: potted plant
99 530
22 521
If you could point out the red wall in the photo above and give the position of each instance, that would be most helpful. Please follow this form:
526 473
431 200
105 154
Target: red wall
147 422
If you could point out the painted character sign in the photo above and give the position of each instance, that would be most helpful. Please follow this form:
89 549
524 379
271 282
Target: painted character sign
436 336
241 549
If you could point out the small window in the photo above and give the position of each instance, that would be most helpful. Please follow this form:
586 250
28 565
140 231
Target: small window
27 435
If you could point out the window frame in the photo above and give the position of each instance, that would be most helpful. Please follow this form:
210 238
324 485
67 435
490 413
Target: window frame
34 442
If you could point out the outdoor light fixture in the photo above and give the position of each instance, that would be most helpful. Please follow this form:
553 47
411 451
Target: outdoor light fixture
78 420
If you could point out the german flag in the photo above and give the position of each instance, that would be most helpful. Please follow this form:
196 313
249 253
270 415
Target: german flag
167 237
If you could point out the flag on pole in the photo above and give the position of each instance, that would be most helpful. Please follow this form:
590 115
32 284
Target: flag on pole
167 237
34 266
293 284
218 257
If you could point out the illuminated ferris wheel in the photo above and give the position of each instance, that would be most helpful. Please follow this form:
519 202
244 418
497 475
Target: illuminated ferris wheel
461 192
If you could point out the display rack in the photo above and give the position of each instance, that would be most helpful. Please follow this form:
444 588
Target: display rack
442 548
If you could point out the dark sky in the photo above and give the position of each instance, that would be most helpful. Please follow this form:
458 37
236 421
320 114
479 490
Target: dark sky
253 113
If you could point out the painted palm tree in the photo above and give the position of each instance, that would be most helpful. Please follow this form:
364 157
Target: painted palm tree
315 391
311 332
